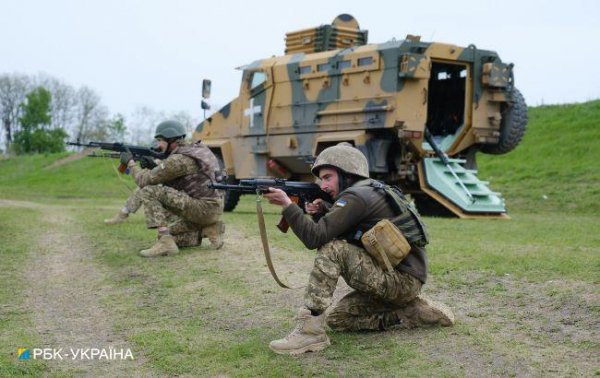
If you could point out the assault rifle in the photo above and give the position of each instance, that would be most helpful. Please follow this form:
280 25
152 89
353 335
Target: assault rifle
145 155
300 192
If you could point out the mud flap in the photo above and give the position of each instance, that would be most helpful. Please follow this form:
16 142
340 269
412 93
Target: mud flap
437 181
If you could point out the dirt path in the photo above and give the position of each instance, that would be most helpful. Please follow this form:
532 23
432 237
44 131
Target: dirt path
65 299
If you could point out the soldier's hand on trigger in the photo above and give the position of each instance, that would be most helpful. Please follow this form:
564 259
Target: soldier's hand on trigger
315 207
278 197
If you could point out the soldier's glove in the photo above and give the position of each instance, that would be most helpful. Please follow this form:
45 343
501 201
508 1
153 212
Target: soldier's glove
125 157
147 162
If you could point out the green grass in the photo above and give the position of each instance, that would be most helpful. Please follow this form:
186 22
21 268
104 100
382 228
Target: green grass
206 312
533 246
34 178
555 168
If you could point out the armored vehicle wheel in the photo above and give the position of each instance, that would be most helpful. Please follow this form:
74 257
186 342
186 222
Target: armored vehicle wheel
231 198
512 127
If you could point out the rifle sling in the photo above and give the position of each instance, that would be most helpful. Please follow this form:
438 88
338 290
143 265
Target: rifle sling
265 243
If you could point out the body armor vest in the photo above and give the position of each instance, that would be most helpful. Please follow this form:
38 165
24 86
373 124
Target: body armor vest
406 218
196 184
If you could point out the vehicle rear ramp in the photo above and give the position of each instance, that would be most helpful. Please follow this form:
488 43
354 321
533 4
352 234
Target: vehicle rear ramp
472 199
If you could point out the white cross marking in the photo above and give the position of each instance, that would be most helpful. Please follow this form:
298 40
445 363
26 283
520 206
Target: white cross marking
251 111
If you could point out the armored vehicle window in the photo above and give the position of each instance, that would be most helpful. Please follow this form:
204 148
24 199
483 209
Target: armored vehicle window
365 61
344 64
305 70
323 67
257 79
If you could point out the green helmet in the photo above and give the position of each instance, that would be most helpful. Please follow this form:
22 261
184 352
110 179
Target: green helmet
169 130
345 157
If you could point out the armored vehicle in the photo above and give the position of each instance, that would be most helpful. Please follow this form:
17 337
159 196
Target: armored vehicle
420 112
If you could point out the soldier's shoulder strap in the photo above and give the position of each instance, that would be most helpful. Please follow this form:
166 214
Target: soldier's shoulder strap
265 243
404 209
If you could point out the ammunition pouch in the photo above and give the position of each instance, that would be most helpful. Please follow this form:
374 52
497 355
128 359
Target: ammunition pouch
390 240
407 219
386 244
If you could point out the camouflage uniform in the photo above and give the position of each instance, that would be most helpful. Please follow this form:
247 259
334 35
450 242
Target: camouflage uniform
379 293
175 193
382 298
134 202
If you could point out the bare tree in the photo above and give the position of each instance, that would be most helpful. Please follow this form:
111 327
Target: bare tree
64 102
98 127
13 89
143 124
88 102
80 112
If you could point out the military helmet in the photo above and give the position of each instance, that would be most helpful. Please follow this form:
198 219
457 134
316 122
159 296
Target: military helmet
345 157
169 130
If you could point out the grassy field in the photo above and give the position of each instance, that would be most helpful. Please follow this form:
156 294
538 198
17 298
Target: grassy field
556 167
525 291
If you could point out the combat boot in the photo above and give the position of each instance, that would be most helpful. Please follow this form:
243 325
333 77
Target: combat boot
423 312
214 233
308 336
164 246
119 218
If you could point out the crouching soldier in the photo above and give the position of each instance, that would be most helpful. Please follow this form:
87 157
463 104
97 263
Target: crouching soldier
175 193
384 297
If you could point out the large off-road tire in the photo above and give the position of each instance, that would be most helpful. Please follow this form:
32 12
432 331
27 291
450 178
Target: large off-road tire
512 126
231 198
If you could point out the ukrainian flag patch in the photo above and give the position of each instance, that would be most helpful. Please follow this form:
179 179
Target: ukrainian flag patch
340 203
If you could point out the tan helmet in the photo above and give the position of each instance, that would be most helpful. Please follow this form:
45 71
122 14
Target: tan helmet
345 157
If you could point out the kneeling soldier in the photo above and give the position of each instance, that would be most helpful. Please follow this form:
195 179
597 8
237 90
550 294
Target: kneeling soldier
383 298
175 194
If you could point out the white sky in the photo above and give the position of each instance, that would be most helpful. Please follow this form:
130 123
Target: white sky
156 52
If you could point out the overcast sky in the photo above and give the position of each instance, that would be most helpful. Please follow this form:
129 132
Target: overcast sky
156 53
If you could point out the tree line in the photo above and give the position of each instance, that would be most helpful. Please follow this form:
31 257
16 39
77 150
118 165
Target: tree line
38 113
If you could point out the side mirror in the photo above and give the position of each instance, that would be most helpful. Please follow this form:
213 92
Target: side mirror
205 105
206 88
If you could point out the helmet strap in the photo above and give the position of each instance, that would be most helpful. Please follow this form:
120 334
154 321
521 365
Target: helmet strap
171 141
346 180
342 180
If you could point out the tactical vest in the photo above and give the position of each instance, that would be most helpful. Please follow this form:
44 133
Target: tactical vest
407 219
196 184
